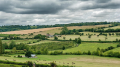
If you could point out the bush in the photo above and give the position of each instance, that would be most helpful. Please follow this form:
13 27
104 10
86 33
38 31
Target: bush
29 63
19 56
56 53
53 64
28 54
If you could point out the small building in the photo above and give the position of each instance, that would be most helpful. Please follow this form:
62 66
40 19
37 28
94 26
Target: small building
33 55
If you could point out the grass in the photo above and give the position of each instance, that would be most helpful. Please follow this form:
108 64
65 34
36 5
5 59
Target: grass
79 60
43 41
9 65
116 27
114 50
90 47
86 27
85 38
19 41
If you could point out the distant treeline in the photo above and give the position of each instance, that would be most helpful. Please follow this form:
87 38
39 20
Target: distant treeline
21 27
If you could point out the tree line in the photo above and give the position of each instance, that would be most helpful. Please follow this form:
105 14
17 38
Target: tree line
5 28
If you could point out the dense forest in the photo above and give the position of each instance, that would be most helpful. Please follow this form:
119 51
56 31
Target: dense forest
5 28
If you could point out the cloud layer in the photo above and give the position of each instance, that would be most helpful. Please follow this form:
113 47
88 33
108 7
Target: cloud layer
48 12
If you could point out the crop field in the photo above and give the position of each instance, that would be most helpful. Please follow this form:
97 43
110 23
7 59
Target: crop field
85 38
29 31
86 27
79 60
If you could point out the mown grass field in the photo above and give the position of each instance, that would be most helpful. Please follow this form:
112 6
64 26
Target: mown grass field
44 41
86 27
79 60
19 41
85 38
85 47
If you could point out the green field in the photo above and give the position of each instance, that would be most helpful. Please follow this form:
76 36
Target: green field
116 27
9 65
43 41
90 47
79 60
114 50
19 41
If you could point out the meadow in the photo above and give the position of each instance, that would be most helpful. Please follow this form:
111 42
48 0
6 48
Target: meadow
115 27
85 38
85 47
79 60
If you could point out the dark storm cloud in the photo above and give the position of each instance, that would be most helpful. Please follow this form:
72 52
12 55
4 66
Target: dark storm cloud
102 1
111 5
28 7
33 12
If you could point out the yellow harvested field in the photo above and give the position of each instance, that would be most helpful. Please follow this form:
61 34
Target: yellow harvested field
29 31
86 27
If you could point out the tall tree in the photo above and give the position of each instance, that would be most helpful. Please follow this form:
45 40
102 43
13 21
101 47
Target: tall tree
1 49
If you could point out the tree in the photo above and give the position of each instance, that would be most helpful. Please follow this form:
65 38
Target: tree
12 44
105 38
79 41
14 49
1 47
64 30
55 38
70 39
63 48
89 36
64 38
28 54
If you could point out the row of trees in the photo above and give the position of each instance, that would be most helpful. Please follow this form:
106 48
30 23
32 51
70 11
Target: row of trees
20 27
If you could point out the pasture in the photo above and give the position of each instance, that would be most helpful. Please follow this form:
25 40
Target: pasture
114 50
86 27
79 60
9 65
20 41
115 27
85 38
85 47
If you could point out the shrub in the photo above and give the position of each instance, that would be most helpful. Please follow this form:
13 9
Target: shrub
28 54
29 63
53 64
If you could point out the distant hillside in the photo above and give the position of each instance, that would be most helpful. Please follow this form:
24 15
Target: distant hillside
26 27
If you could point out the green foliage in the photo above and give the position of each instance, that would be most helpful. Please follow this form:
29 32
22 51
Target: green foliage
39 36
12 44
63 48
53 64
78 40
1 47
64 30
28 54
56 53
64 38
5 45
54 45
55 38
29 63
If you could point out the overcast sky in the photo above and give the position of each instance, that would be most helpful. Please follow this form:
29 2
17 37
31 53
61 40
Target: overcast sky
49 12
